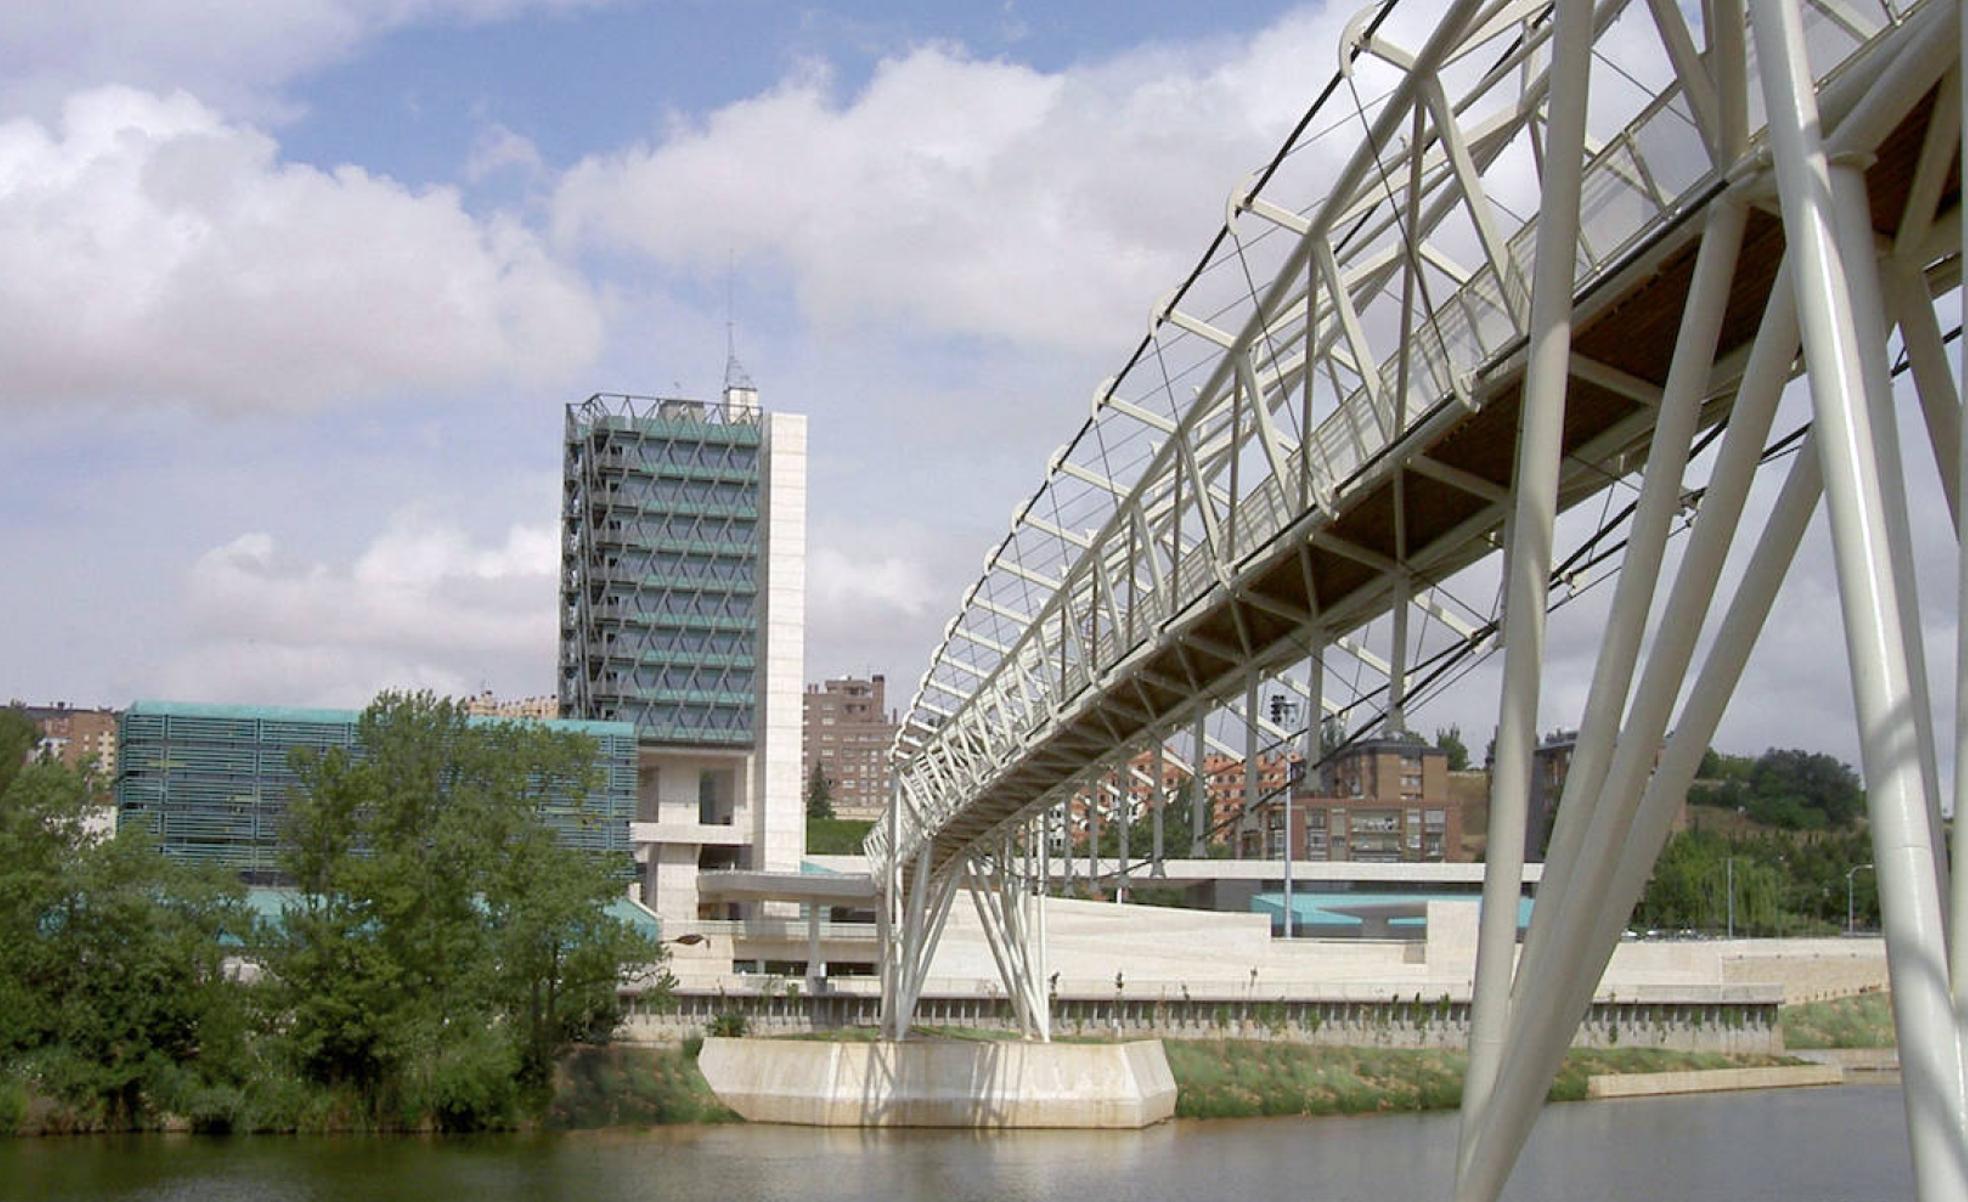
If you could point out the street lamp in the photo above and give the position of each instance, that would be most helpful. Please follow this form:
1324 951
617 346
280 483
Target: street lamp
1850 929
1730 864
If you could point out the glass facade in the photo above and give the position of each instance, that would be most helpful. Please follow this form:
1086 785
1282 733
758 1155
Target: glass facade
212 782
660 568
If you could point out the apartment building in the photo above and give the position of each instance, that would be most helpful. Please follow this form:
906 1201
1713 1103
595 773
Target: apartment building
848 734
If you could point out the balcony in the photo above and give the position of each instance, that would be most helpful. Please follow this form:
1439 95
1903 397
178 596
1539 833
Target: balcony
699 833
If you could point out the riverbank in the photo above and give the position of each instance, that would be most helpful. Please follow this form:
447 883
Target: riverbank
1214 1079
641 1086
1231 1079
1862 1021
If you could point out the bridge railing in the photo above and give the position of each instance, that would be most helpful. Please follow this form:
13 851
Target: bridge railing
1058 609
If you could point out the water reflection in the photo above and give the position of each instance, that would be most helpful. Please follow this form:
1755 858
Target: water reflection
1824 1145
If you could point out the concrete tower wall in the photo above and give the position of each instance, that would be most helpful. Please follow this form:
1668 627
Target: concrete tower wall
779 812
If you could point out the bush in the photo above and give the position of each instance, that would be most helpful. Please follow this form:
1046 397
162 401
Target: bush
13 1103
732 1024
470 1083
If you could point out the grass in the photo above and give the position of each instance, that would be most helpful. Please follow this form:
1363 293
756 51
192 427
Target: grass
1862 1021
632 1087
1232 1079
836 836
619 1086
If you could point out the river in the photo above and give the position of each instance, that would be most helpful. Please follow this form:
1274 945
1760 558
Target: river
1816 1145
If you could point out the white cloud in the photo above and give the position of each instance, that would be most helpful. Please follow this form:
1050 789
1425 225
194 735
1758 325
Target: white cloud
868 585
238 52
422 606
964 196
155 251
498 149
877 596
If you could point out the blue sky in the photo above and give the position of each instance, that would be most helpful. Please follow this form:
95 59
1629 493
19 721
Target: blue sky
296 291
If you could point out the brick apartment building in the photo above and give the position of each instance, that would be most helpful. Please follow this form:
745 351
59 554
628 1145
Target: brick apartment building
1387 801
1223 783
487 705
848 734
77 737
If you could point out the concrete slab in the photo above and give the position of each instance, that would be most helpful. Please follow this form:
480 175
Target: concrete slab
1648 1085
998 1084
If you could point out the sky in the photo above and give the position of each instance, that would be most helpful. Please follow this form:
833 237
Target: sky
296 291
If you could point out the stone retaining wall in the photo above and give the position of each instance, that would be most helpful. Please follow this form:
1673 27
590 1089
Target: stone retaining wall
1729 1026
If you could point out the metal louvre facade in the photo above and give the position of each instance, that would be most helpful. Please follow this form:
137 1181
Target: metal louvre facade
212 782
660 568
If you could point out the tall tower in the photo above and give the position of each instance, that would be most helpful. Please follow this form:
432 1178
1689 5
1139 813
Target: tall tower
683 590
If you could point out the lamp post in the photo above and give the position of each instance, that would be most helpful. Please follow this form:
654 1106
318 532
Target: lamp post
1854 870
1730 868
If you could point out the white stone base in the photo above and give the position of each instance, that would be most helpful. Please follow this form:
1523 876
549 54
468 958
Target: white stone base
942 1083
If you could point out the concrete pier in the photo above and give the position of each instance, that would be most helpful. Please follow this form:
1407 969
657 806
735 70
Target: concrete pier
998 1084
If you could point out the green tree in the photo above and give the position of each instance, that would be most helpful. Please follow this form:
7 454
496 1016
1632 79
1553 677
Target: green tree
1786 788
819 794
18 738
445 945
1804 781
1450 742
113 995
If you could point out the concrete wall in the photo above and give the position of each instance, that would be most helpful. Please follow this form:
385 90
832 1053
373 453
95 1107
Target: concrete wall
941 1083
1160 952
1809 970
778 808
669 867
1742 1021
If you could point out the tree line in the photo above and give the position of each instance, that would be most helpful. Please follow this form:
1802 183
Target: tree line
440 949
1794 865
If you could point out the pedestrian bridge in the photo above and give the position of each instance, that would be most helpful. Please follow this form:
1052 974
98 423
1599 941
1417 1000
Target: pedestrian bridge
1515 255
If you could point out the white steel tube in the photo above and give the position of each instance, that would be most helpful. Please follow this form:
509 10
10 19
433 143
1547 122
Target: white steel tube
1397 671
1559 993
1633 596
995 939
1093 839
1853 214
1528 565
1564 951
890 909
1199 806
1315 709
1910 904
1124 800
1913 312
1958 902
1247 813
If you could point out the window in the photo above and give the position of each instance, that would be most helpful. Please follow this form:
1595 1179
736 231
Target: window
714 797
1435 820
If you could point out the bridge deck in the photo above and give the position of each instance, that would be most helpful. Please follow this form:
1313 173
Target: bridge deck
1627 319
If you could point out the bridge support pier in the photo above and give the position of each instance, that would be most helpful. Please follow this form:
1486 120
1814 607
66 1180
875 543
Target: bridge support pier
1828 228
1012 913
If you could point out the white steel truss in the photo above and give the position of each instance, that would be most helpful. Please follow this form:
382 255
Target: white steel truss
1555 245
